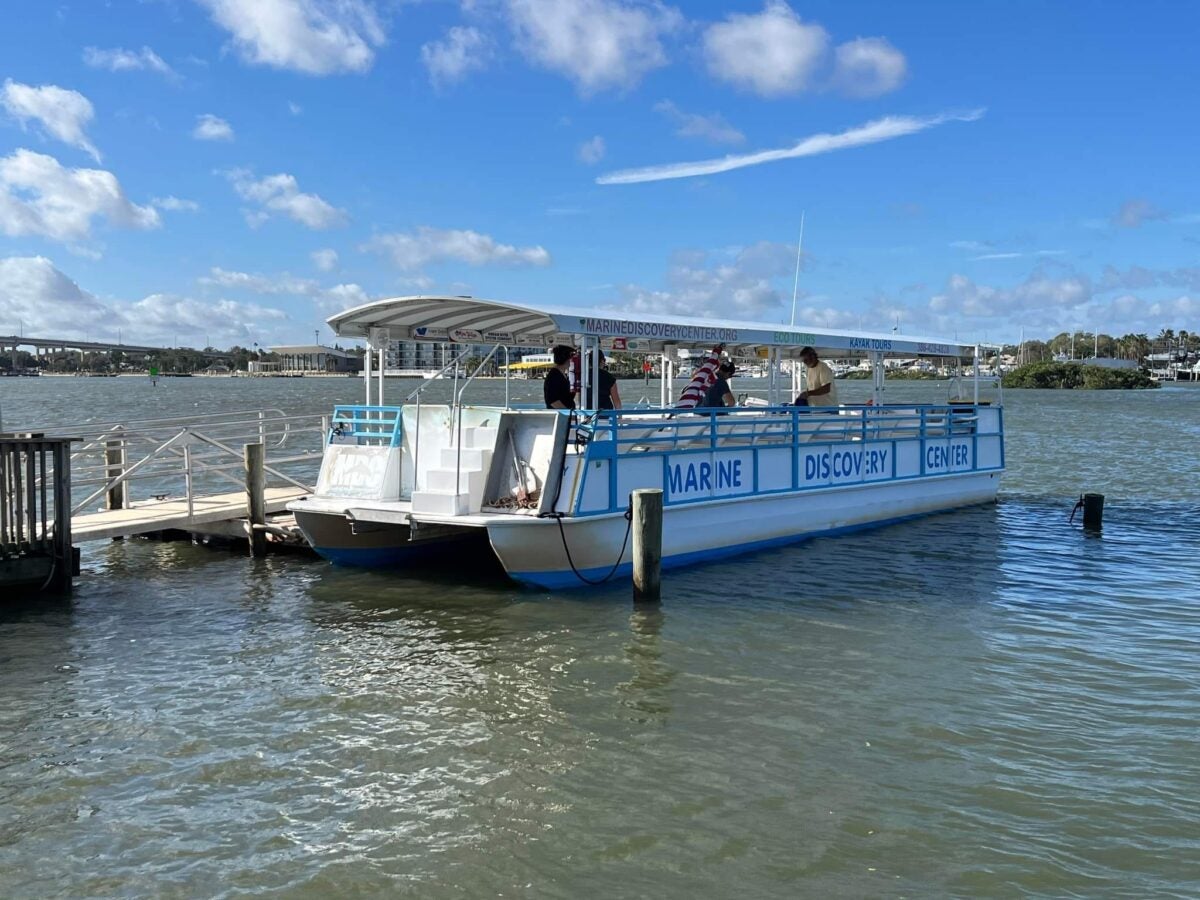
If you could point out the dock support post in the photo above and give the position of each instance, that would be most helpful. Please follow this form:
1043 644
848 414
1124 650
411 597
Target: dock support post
256 503
114 461
66 561
647 544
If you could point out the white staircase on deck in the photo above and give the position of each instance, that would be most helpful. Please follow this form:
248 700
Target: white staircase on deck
454 491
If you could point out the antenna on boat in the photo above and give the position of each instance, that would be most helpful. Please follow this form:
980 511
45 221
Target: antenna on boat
796 283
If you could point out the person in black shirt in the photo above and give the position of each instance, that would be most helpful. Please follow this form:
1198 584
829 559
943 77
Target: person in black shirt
610 397
557 388
718 393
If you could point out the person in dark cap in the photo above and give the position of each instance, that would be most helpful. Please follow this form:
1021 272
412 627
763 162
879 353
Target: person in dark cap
718 393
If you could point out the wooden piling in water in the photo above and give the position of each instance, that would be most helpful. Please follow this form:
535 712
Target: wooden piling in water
256 503
647 544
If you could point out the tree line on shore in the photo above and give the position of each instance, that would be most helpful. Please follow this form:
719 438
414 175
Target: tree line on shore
1086 344
113 362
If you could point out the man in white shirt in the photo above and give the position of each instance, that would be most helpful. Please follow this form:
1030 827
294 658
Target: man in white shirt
821 389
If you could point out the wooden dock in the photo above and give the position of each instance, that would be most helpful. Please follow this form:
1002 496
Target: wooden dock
153 516
71 484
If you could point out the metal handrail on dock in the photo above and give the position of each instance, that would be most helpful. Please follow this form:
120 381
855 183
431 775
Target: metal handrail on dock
191 473
186 457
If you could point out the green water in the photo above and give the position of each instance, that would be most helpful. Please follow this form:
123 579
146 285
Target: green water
987 703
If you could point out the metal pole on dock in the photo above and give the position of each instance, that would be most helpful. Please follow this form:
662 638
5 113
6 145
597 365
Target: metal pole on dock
647 543
64 552
256 503
114 461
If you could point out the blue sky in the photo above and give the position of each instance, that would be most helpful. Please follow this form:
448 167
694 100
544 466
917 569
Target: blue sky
221 171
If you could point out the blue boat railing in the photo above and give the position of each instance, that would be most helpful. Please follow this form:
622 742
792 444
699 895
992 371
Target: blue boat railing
642 429
776 449
367 426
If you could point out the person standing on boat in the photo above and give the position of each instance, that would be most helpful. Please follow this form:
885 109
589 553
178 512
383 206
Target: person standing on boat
610 397
557 388
821 389
718 393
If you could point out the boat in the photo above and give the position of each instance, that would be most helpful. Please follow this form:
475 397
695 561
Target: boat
549 490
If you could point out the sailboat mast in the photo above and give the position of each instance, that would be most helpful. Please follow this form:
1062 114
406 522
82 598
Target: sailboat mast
796 283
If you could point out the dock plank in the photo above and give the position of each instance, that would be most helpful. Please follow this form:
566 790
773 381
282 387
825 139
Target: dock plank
164 515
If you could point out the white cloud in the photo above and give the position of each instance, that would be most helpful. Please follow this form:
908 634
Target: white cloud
326 259
450 60
318 37
775 53
341 296
1137 212
260 284
329 300
591 151
598 44
165 318
739 289
710 128
212 128
425 245
424 283
119 59
281 194
872 133
772 53
62 114
1037 293
175 204
39 196
868 67
1179 309
35 294
295 108
814 316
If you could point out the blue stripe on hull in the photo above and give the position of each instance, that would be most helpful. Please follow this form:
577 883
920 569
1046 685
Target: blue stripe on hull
373 557
565 578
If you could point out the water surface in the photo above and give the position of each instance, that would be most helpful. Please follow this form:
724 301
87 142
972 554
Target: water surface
987 703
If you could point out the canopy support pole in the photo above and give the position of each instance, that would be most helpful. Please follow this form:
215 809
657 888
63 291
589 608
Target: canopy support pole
382 369
595 378
976 374
367 374
583 371
877 378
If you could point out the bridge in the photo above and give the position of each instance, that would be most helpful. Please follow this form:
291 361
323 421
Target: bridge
14 342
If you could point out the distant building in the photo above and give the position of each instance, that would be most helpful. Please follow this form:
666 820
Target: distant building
310 359
420 357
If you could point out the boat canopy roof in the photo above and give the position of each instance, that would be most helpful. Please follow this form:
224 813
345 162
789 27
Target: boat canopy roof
471 320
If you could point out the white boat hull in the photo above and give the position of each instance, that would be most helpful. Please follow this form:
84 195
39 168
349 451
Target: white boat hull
701 532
